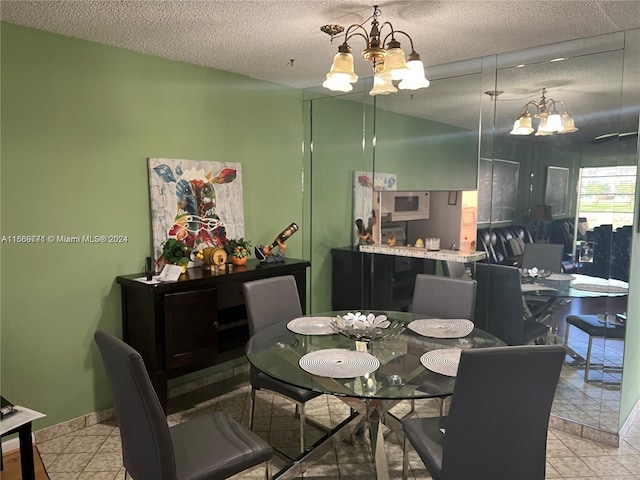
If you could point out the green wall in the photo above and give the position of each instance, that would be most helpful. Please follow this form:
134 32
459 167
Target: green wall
79 121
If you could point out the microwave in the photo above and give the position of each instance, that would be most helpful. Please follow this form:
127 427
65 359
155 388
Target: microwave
404 206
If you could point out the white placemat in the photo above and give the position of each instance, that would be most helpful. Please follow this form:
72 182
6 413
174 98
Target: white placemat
339 363
444 361
596 287
560 277
311 326
442 328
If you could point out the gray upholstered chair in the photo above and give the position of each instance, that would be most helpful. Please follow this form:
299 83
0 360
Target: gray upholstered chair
498 419
444 297
208 447
454 269
269 301
547 256
500 309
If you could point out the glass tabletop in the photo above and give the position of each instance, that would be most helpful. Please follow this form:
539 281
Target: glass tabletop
277 351
573 286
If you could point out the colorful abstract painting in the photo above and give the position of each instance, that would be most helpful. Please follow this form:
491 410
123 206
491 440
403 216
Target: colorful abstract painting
196 202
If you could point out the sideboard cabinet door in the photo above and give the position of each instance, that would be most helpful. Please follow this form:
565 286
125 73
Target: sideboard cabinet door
190 327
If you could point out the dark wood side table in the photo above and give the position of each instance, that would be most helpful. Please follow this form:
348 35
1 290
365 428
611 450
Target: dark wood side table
196 322
23 430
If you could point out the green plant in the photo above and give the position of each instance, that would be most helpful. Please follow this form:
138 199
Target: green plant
176 252
238 247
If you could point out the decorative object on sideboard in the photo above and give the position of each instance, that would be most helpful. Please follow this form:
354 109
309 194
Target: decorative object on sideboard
267 253
388 59
238 250
176 252
214 258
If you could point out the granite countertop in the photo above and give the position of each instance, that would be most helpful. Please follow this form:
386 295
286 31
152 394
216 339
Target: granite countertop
421 252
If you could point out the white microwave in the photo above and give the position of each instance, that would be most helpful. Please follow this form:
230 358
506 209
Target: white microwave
404 206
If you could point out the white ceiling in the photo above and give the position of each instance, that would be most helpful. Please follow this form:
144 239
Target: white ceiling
280 40
260 38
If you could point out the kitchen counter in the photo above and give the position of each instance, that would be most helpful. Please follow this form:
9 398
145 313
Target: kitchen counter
421 252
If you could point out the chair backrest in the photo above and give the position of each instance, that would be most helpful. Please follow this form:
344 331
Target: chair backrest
499 413
499 309
271 300
147 450
444 297
547 256
453 269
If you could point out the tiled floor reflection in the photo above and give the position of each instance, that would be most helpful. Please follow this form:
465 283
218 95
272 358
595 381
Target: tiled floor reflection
596 403
94 452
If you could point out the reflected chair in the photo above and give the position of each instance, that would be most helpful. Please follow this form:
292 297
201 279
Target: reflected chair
500 309
547 256
269 301
591 325
444 297
453 269
212 446
498 420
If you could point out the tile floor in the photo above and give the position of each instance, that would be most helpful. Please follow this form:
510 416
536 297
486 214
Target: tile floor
94 452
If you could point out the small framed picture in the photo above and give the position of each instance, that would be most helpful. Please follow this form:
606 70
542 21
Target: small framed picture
453 197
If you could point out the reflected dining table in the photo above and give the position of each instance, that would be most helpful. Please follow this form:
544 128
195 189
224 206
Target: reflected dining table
558 288
400 374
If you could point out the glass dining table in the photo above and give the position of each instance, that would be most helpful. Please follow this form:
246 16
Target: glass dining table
371 377
550 293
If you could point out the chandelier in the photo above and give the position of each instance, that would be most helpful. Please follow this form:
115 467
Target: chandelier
550 120
388 60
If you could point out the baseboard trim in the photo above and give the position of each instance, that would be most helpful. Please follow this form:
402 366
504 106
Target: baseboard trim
585 431
12 444
93 418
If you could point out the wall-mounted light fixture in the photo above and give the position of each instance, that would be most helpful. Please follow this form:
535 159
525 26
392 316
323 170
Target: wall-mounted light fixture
550 120
389 63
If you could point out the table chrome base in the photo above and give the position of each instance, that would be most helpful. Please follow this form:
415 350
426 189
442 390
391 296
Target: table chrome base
369 414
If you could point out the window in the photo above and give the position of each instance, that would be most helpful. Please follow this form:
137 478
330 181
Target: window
606 195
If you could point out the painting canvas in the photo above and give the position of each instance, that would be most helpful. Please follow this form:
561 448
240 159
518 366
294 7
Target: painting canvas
196 202
364 184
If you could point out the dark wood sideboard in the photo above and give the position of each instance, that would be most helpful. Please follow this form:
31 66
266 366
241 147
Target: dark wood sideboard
372 281
198 321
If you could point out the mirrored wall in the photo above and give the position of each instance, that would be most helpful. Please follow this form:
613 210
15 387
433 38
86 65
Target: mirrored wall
445 137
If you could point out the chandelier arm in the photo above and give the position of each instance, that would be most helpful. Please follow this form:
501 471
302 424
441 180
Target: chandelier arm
357 34
525 107
566 109
398 31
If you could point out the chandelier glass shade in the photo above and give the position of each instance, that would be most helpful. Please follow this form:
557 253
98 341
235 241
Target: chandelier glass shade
389 60
550 120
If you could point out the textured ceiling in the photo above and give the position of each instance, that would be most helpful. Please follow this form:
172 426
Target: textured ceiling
260 38
280 40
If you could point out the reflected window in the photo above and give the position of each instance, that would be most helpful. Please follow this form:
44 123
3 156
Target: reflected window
606 195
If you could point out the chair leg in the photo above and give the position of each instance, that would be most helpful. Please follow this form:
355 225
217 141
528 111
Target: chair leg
267 473
588 361
405 459
252 407
443 405
302 421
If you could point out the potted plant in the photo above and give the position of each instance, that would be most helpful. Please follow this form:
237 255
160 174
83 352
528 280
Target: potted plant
176 253
238 250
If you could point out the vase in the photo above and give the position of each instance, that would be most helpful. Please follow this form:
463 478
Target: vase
238 261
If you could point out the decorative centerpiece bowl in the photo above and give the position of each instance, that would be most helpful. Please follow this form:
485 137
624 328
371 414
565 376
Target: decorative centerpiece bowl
533 273
366 328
